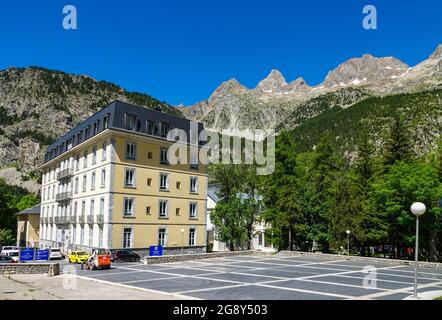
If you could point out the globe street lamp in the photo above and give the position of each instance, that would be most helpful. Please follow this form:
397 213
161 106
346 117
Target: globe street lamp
182 242
418 209
348 241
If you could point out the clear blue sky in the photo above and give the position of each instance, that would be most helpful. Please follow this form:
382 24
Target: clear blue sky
181 50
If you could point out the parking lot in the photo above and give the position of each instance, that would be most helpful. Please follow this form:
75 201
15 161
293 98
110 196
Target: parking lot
270 278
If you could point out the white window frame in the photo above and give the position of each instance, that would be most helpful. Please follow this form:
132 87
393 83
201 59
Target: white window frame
196 185
160 202
195 216
194 237
131 153
166 186
131 237
126 170
128 213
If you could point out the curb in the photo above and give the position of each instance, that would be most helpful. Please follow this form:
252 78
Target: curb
435 265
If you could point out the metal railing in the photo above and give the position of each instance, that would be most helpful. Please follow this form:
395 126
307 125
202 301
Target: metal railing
89 218
80 218
63 196
50 219
66 173
99 219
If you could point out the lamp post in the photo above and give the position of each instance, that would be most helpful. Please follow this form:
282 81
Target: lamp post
348 241
418 209
182 242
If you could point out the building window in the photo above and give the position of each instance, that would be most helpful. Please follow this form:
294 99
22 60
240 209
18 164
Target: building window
193 210
93 181
127 238
163 208
69 144
129 177
164 181
105 122
92 208
192 233
128 207
152 128
101 206
178 211
163 156
94 154
86 133
91 236
130 150
149 182
75 208
84 183
103 178
100 237
95 128
103 151
148 210
193 161
81 235
162 233
164 129
149 155
83 207
178 185
130 122
193 184
77 162
85 159
76 185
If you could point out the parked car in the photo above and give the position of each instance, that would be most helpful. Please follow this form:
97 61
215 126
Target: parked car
55 254
8 248
78 257
14 254
6 259
124 256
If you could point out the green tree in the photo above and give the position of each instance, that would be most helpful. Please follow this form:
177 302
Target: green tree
398 146
279 193
404 184
6 237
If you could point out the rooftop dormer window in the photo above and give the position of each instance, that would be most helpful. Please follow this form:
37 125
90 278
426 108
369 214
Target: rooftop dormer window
130 122
164 129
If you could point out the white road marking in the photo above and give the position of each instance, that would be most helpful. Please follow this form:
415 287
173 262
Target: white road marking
402 290
177 295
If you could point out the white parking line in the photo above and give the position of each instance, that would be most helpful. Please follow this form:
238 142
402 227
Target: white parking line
402 290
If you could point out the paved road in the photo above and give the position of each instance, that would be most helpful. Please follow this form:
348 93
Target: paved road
270 277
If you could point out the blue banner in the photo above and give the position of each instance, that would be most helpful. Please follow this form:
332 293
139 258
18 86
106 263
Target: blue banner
155 251
42 254
26 254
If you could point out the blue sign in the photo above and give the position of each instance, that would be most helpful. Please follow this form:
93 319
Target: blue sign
155 251
42 254
26 254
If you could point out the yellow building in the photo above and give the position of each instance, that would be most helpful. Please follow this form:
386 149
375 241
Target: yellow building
108 183
28 224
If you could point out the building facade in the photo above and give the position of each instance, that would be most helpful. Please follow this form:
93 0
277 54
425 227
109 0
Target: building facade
259 241
28 227
108 183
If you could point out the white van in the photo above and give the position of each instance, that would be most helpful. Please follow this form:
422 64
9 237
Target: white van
8 248
55 254
14 254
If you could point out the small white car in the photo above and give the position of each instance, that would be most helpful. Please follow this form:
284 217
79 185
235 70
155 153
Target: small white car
13 253
55 254
8 248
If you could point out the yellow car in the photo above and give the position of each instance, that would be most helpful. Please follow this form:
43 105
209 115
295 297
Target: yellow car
78 257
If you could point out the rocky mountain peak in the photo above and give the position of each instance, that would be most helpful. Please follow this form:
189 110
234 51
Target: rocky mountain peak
298 84
274 82
437 54
365 69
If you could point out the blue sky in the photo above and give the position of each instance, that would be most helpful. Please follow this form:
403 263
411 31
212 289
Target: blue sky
179 51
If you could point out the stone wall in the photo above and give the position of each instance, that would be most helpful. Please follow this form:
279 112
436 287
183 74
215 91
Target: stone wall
363 259
196 256
51 269
144 253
